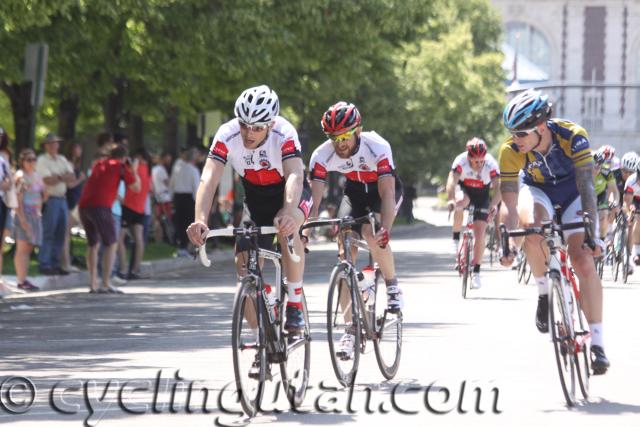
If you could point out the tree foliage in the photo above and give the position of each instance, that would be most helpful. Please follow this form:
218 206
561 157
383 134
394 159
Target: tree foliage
425 73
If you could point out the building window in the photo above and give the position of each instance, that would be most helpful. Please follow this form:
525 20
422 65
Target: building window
530 43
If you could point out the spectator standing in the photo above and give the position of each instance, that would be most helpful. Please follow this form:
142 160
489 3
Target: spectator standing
133 215
8 200
28 222
73 153
57 173
95 204
183 184
161 194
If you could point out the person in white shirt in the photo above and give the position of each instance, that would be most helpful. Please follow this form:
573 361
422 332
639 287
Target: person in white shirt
163 206
183 185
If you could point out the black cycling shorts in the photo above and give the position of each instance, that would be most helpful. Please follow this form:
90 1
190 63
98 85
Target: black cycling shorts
480 199
360 199
261 208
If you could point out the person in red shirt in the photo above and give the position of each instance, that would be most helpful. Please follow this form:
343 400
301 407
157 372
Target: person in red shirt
133 216
98 195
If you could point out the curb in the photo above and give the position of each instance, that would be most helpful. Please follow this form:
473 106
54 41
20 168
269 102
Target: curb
148 268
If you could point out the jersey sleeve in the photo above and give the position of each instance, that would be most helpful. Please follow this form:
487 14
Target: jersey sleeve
456 166
628 186
494 170
580 149
290 147
384 161
318 170
510 162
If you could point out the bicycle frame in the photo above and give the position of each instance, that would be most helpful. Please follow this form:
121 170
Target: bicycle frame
467 234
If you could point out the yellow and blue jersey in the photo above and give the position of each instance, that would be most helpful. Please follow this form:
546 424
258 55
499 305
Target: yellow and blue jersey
554 172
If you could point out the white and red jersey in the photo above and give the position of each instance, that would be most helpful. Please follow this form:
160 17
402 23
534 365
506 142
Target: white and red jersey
261 166
632 186
475 179
371 161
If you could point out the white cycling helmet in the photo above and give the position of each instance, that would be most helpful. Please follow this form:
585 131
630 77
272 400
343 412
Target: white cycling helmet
257 105
629 161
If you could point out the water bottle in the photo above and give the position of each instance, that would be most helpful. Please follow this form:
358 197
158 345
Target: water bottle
366 283
269 296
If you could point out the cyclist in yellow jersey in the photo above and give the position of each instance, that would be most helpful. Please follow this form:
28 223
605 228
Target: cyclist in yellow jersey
547 163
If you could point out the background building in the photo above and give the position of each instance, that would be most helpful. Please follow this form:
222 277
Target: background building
586 54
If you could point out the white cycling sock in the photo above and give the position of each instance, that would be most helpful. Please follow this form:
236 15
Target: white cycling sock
596 334
294 290
543 285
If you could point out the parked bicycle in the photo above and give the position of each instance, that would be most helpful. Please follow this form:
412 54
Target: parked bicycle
568 326
258 337
361 313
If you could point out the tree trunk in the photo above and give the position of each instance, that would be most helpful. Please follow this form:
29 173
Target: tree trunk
68 116
114 115
23 113
171 130
192 135
136 134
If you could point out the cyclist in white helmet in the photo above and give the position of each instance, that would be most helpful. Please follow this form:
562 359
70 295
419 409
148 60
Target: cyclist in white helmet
263 148
628 165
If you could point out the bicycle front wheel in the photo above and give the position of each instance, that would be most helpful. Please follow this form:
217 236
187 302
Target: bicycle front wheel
466 257
562 337
387 328
295 370
582 351
343 318
625 264
249 354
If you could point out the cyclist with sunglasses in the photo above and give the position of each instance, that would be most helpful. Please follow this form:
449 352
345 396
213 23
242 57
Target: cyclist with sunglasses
366 161
263 148
557 170
477 174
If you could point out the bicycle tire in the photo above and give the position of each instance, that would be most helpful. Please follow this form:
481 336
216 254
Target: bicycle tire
388 332
625 264
295 369
466 267
582 352
562 337
342 286
246 350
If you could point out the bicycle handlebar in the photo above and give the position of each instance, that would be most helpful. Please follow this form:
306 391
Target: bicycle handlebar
546 228
345 221
243 231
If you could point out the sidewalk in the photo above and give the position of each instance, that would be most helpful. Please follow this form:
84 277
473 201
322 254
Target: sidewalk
148 268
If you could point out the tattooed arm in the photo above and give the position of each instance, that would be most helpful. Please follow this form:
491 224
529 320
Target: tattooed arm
584 182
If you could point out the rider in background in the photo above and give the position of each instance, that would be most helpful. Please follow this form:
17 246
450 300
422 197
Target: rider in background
632 203
628 165
557 166
604 184
477 173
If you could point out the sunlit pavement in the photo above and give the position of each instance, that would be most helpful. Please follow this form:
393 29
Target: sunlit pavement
125 360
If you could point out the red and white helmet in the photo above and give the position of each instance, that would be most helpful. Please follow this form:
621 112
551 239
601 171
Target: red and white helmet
339 118
476 148
607 152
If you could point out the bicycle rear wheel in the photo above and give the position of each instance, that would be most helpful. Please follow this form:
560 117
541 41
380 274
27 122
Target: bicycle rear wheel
625 264
249 354
295 370
387 330
466 267
343 317
563 338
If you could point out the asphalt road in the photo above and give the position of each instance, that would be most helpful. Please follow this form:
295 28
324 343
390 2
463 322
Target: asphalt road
128 360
